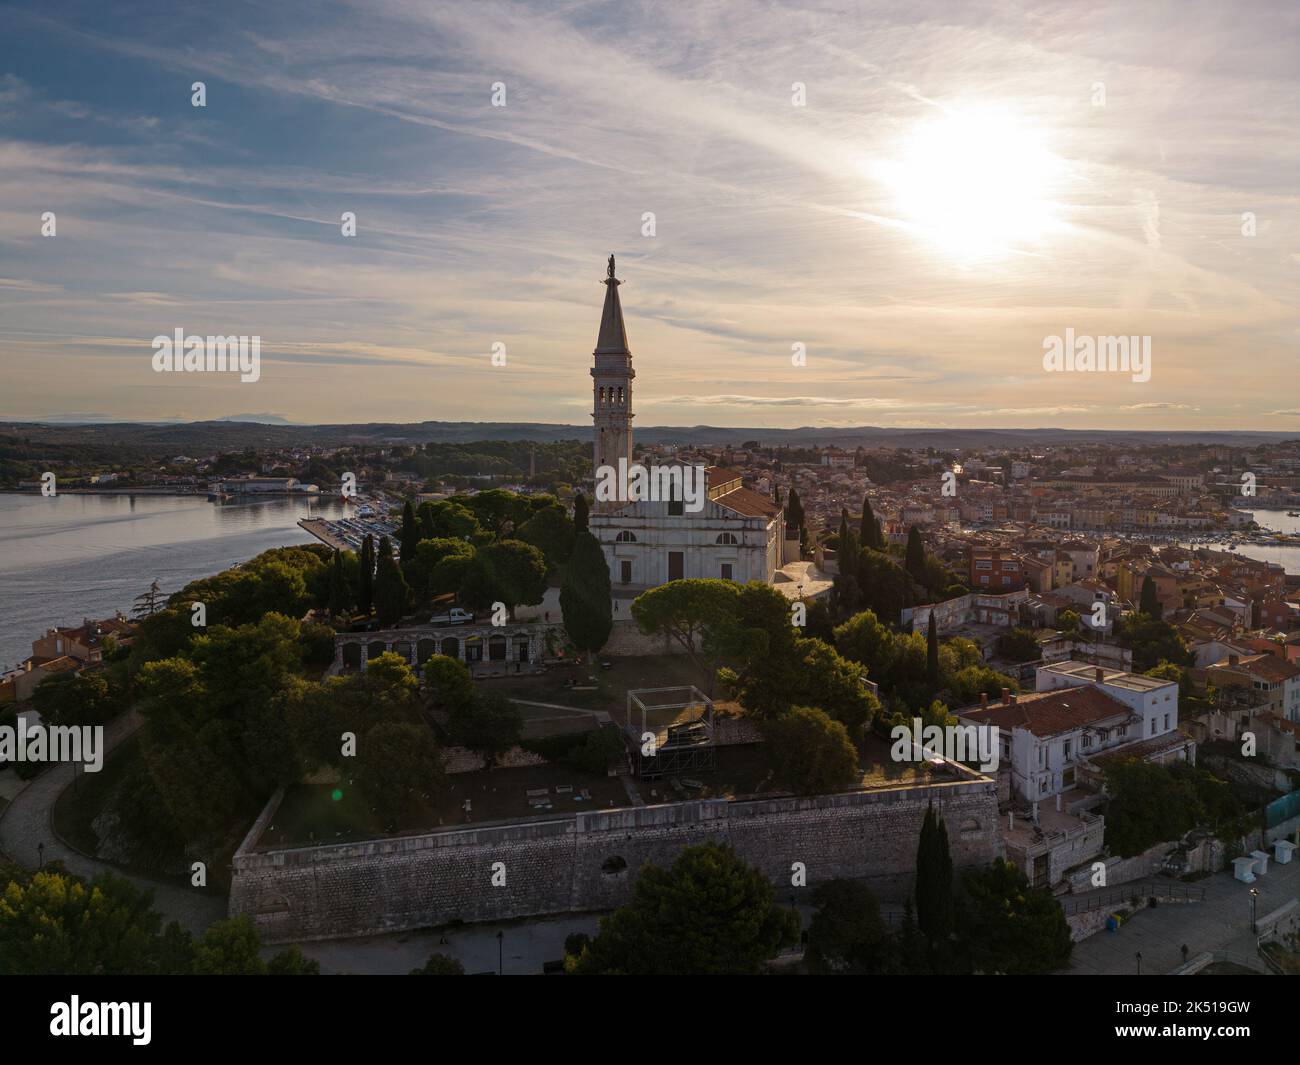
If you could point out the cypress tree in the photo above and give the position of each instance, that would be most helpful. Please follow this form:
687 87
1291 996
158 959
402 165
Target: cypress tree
408 536
580 514
366 583
932 653
934 905
914 562
869 530
1149 603
391 590
585 595
338 593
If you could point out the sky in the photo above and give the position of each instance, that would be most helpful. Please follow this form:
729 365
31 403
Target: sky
824 214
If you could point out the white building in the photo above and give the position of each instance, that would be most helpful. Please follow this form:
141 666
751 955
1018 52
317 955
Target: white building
738 534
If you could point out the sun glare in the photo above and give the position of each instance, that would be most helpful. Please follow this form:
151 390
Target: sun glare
977 182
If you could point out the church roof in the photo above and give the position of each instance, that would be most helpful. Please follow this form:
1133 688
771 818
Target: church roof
749 503
613 334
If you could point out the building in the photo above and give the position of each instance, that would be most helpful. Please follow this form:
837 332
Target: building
1274 679
738 534
994 569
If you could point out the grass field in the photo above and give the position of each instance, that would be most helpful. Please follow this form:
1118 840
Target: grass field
328 813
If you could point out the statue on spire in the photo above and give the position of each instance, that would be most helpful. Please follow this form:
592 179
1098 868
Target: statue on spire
611 266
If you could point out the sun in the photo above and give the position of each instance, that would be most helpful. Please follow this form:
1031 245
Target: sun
976 181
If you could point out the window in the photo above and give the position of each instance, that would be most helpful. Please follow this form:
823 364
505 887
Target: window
675 508
625 537
1166 722
983 565
727 538
620 397
625 572
726 571
676 565
613 866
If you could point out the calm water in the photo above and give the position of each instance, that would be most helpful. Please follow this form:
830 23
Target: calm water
77 556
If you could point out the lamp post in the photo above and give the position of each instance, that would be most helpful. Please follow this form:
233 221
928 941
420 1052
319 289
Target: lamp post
1254 898
40 853
1138 955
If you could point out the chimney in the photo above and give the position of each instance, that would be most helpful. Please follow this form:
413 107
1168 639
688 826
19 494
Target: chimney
1099 674
1014 699
984 700
1233 660
1006 696
1058 802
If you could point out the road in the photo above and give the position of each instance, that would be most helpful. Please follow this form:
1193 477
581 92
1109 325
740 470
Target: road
26 823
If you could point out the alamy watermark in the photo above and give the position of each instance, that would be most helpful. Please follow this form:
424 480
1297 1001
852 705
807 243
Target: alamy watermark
635 484
957 743
196 354
53 743
1071 354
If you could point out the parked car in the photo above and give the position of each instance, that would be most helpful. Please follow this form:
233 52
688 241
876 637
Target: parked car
455 616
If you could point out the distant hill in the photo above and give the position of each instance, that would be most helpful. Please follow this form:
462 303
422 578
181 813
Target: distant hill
270 431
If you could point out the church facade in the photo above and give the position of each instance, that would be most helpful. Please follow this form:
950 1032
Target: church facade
737 535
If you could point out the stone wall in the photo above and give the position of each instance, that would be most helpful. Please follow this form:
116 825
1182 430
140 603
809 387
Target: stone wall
589 861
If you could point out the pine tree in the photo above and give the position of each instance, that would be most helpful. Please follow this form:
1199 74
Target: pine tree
391 590
408 536
580 513
934 904
932 653
148 603
794 519
366 585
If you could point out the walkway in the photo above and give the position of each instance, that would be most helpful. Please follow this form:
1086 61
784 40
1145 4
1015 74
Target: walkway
1220 923
26 823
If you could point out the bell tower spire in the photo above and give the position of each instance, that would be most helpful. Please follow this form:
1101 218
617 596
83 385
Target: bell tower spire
612 384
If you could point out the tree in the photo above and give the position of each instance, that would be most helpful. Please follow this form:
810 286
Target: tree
1019 645
440 965
490 724
585 596
340 595
550 531
795 519
810 753
77 699
55 924
509 571
408 535
366 576
580 513
884 586
426 573
710 914
869 534
230 948
914 561
830 681
292 962
686 610
1152 641
1068 621
934 904
448 520
149 602
449 681
846 934
396 763
1010 927
391 590
1149 601
932 652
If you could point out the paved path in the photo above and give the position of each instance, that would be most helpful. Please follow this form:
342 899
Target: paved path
26 823
524 947
1220 923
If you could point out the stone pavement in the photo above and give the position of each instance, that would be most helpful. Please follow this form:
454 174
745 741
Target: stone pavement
1220 923
26 823
525 945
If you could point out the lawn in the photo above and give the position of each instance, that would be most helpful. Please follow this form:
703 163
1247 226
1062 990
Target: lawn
599 688
340 813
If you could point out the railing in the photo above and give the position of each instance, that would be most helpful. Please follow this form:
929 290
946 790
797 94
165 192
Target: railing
1075 904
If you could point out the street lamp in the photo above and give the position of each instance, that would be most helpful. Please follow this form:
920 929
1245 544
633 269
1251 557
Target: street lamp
40 853
1254 898
1138 955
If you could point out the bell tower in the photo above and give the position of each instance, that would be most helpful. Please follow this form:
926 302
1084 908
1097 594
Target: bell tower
612 386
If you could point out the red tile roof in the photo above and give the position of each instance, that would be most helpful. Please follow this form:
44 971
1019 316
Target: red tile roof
1049 713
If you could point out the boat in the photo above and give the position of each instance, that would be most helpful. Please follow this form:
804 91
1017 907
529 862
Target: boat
1293 513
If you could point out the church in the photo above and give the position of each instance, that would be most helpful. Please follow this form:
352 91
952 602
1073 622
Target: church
738 534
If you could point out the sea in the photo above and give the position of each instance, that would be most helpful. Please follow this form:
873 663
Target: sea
75 556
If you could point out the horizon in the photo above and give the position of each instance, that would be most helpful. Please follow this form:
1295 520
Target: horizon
918 201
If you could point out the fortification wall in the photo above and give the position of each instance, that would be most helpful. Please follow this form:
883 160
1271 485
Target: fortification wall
589 861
